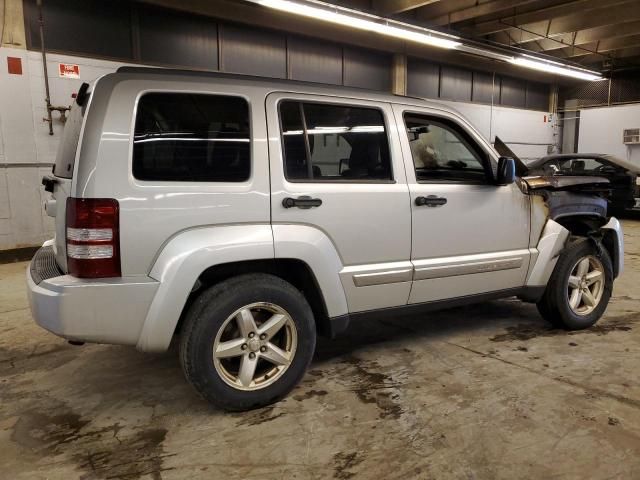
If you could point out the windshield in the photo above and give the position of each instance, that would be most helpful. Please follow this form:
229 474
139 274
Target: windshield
66 155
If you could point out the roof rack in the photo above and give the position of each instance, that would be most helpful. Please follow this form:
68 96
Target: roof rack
257 78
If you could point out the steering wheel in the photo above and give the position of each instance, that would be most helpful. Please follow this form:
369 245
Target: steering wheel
605 169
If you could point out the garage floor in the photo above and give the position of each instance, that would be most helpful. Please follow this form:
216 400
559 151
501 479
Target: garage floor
487 391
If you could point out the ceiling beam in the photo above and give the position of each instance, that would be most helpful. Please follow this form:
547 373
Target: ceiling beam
475 11
605 47
573 12
393 7
441 8
622 54
537 44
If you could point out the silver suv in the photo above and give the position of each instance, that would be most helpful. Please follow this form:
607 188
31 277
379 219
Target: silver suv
245 216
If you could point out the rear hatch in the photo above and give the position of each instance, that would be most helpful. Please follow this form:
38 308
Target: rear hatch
63 170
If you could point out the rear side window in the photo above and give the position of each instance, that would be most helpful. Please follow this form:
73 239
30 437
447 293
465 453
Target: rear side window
185 137
334 143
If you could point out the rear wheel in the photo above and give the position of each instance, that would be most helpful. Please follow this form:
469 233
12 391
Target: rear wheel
579 288
247 341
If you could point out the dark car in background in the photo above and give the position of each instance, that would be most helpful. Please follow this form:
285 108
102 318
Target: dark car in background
623 176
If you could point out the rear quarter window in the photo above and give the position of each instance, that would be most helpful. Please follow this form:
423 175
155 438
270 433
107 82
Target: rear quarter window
185 137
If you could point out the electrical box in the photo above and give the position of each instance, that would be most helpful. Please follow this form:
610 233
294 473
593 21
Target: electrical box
631 136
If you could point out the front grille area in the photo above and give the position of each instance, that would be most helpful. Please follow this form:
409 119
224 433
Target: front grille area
44 266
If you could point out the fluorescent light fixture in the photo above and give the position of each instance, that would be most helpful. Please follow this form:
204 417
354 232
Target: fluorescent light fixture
362 21
549 66
348 17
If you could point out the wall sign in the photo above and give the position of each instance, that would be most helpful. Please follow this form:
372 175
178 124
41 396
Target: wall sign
14 65
68 70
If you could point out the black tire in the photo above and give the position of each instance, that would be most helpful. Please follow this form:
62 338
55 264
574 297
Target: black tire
554 304
207 315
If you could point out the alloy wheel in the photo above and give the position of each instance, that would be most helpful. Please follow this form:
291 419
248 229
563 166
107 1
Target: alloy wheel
255 346
586 285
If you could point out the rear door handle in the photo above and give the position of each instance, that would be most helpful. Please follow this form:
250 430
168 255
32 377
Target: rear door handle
301 202
430 201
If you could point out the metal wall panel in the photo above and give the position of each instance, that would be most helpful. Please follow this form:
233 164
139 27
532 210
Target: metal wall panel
367 69
455 83
423 78
88 27
537 96
133 31
313 61
483 90
171 38
252 51
513 92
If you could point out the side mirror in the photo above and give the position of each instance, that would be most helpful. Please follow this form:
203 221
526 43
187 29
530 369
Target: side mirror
506 171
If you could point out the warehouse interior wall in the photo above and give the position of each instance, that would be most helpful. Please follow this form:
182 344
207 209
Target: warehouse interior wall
27 151
513 109
601 131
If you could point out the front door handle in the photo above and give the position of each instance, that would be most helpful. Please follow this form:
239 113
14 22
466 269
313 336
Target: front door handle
301 202
430 201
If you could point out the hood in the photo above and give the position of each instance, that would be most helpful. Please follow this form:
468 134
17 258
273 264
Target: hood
573 183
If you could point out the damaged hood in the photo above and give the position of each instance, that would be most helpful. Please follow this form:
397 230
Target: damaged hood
572 183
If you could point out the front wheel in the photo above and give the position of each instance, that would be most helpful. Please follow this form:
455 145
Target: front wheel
579 288
247 341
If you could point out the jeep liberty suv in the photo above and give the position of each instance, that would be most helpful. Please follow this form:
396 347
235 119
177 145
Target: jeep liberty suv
248 215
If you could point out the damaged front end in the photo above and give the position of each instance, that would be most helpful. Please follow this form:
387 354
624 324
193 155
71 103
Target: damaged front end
579 204
567 196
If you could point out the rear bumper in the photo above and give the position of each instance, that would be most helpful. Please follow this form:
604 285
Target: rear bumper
108 310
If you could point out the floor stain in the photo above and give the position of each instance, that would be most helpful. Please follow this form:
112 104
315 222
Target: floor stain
258 417
310 394
103 453
14 361
524 332
43 433
344 463
129 457
374 387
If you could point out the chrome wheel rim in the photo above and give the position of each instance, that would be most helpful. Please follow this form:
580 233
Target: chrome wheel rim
586 285
255 346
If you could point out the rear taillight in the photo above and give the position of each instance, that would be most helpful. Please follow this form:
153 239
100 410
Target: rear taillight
93 240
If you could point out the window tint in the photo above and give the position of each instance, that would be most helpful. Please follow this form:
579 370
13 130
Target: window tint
334 143
443 152
192 138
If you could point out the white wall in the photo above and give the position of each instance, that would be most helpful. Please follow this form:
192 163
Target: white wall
524 131
601 131
27 150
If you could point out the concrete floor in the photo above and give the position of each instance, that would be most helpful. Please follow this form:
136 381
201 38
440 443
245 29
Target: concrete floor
487 391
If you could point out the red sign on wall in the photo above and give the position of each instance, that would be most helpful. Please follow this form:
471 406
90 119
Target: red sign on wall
68 70
14 65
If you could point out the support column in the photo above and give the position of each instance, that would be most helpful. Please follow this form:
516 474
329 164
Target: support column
12 24
553 99
399 74
556 146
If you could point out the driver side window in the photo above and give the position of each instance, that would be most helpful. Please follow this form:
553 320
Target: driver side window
443 152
